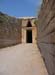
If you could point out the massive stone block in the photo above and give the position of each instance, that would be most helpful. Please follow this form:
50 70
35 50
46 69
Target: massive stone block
46 34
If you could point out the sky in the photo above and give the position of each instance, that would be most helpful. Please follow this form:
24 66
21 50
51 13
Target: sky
20 8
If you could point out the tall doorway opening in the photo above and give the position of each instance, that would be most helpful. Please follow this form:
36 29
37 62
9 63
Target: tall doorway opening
29 36
29 33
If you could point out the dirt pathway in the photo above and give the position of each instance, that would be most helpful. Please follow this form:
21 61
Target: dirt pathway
23 59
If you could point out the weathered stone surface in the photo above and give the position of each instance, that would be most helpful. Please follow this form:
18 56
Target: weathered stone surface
46 34
10 30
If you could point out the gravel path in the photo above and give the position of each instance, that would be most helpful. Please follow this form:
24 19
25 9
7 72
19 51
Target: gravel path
23 59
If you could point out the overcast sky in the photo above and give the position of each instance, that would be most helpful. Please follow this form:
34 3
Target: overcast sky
20 8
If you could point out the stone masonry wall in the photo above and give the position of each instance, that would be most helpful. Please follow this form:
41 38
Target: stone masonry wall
46 34
10 30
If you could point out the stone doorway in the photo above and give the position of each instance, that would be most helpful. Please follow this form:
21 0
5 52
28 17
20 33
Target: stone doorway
29 36
29 31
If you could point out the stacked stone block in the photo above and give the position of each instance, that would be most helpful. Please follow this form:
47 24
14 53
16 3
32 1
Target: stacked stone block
46 34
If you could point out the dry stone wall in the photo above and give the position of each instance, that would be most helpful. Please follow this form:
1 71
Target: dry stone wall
10 30
46 34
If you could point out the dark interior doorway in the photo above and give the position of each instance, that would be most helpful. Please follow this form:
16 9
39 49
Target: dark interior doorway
29 36
29 33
